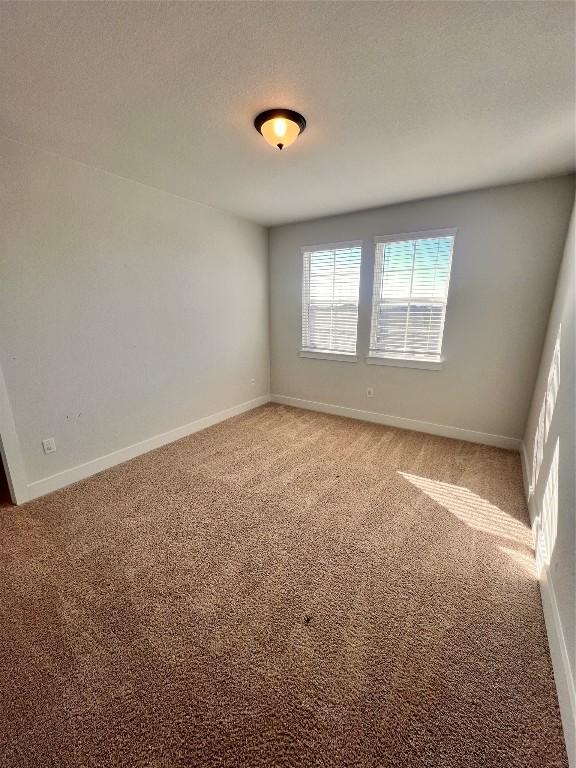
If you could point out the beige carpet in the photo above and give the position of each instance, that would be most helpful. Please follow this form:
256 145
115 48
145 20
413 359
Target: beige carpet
283 589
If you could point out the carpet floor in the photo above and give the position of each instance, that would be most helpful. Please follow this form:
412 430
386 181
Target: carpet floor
286 588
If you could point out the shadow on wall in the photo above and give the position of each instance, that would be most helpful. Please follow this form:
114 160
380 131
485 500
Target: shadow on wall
481 515
546 521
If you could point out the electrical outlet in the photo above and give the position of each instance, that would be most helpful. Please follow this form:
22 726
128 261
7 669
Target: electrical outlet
369 391
253 382
49 445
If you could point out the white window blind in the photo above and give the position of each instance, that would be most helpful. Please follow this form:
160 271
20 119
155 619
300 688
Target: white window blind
411 277
331 280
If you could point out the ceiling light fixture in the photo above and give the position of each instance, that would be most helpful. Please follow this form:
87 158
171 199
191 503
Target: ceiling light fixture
280 127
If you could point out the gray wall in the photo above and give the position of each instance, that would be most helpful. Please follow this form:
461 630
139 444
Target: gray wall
124 311
558 512
508 249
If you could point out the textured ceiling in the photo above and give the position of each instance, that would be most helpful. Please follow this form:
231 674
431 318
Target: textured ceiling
403 99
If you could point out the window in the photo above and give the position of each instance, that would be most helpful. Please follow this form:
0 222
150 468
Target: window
331 280
411 276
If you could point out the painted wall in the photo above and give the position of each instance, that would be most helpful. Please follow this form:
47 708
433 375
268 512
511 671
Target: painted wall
550 461
507 253
124 311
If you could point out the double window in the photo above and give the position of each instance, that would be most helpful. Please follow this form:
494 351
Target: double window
409 294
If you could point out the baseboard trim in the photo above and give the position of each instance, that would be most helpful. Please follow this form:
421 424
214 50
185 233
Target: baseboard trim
565 683
499 441
82 471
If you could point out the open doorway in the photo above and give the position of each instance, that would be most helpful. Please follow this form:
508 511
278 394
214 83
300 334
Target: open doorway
13 488
5 498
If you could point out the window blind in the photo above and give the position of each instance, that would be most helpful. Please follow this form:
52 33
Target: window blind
411 277
331 280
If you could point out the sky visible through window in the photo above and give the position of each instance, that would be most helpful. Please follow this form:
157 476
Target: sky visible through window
416 269
335 275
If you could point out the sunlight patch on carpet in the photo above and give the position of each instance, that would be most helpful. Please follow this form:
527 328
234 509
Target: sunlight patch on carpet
472 509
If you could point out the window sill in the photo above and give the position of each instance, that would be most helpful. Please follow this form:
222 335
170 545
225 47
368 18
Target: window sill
341 357
401 362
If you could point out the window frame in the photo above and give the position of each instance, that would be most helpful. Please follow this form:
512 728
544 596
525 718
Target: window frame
334 355
410 362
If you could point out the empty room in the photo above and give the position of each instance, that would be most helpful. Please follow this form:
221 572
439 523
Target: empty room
287 384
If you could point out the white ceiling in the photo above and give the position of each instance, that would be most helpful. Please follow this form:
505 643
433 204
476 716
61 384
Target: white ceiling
403 99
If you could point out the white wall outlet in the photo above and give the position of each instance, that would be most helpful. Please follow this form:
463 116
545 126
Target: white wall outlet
253 382
369 391
49 445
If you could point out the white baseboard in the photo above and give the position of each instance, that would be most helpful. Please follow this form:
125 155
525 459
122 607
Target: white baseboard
82 471
565 683
561 663
500 441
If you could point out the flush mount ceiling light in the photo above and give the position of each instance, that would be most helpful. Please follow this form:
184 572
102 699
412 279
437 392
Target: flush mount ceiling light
280 127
